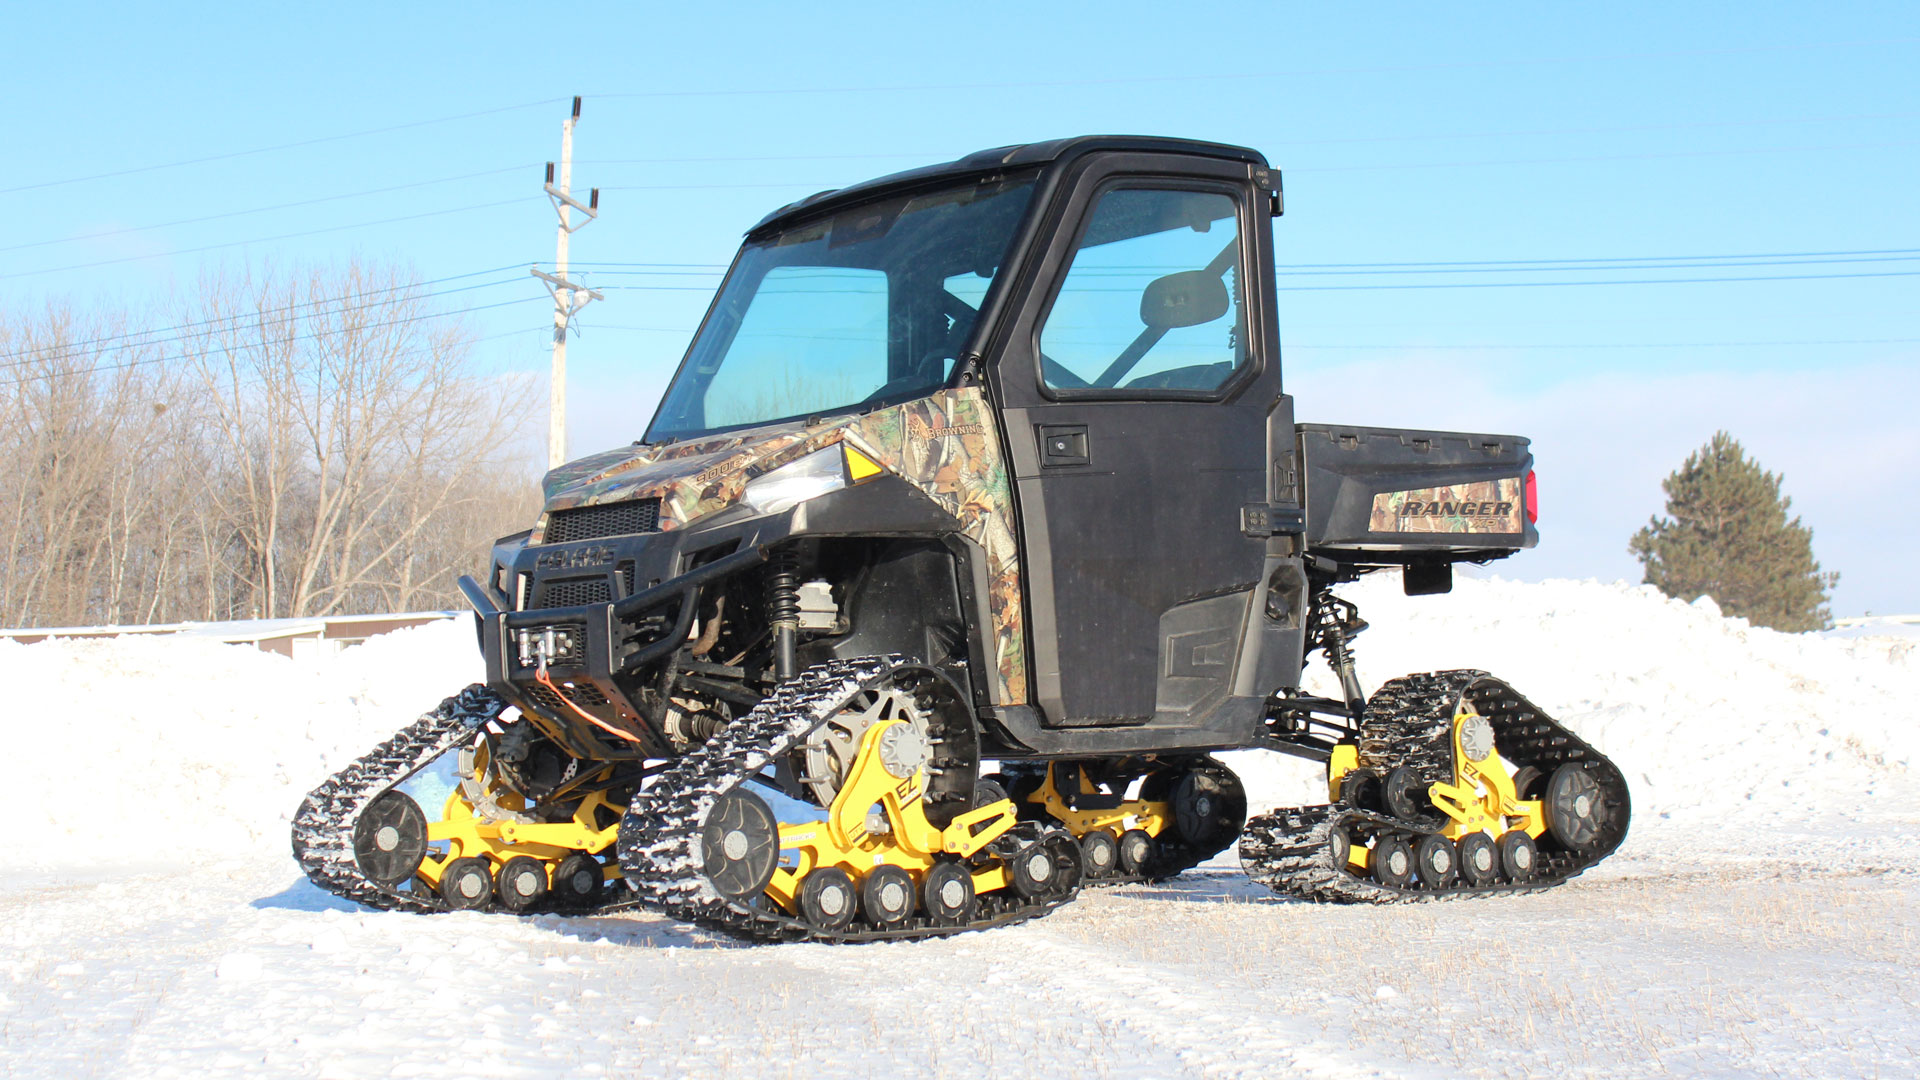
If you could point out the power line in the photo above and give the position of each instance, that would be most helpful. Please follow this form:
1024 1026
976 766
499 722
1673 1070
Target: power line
1867 254
1610 258
1419 346
1330 271
237 322
1692 125
1310 170
278 147
1621 345
266 209
126 337
266 239
1600 265
936 155
1441 285
1256 75
300 337
1556 284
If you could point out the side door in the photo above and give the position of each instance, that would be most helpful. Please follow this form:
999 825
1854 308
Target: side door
1136 392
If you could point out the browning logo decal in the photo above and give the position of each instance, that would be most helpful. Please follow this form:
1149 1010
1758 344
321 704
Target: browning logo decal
1491 506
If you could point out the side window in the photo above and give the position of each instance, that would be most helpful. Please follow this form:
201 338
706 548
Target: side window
1152 300
814 338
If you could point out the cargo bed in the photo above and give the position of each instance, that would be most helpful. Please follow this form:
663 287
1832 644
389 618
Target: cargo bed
1393 496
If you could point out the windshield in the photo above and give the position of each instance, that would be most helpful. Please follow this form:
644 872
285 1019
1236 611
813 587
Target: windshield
867 307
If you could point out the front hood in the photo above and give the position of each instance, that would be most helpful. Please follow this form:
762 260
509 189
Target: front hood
691 479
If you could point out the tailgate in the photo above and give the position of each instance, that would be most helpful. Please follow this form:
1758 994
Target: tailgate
1393 495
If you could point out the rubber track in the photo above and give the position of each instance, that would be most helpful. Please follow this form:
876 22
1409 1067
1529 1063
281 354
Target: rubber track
1408 721
659 842
323 826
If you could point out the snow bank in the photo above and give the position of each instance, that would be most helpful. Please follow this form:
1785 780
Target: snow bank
157 750
1717 724
153 750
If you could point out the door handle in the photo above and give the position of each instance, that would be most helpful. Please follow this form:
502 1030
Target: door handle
1062 445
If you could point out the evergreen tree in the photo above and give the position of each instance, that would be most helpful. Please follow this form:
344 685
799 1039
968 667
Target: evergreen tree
1729 537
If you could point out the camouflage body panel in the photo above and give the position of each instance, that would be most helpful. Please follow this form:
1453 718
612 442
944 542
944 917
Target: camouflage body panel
947 445
691 479
1491 506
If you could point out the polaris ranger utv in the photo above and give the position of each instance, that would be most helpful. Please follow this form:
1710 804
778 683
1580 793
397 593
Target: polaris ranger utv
982 462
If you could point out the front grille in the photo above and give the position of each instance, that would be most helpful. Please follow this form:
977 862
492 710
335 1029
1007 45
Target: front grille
610 519
585 695
572 592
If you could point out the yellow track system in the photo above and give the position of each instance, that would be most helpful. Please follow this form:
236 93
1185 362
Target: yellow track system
1479 798
879 819
467 833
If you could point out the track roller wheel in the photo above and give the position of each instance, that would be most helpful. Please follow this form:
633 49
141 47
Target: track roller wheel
827 898
740 845
1405 795
947 893
1068 865
1033 871
1434 861
1392 862
577 881
1519 858
1099 854
1526 782
390 838
1360 789
1339 847
521 883
1479 862
467 884
1209 808
887 897
1137 851
1573 806
988 790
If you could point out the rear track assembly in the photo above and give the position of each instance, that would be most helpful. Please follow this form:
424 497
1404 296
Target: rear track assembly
1357 851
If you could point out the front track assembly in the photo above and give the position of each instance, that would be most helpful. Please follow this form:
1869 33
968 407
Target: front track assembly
361 838
899 853
1457 787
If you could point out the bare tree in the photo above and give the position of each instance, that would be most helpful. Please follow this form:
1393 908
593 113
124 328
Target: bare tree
353 427
314 443
89 532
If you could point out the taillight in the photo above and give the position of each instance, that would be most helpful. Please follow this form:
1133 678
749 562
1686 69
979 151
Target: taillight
1533 499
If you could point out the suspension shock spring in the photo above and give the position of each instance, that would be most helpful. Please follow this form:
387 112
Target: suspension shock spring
1333 624
783 611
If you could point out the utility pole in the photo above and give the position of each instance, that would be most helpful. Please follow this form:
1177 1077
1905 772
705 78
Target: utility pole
568 298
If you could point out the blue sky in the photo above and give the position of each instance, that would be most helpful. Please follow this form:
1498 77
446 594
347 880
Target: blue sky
1626 133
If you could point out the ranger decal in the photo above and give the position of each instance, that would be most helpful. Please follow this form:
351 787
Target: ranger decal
1491 506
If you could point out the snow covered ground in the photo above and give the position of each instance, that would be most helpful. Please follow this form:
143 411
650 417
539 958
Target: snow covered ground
1760 920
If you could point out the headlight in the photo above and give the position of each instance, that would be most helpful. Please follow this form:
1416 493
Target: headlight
797 481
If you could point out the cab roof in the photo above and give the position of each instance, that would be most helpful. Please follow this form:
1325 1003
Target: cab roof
1004 157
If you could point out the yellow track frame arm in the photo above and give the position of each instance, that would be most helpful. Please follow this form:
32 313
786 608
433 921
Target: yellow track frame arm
854 838
1482 797
1151 816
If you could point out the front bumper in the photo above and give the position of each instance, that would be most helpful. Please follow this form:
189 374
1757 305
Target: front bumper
601 659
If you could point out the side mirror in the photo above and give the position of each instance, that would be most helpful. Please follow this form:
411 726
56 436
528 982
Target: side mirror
1188 298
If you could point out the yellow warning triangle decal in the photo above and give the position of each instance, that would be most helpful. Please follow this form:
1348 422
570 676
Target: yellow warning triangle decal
860 466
